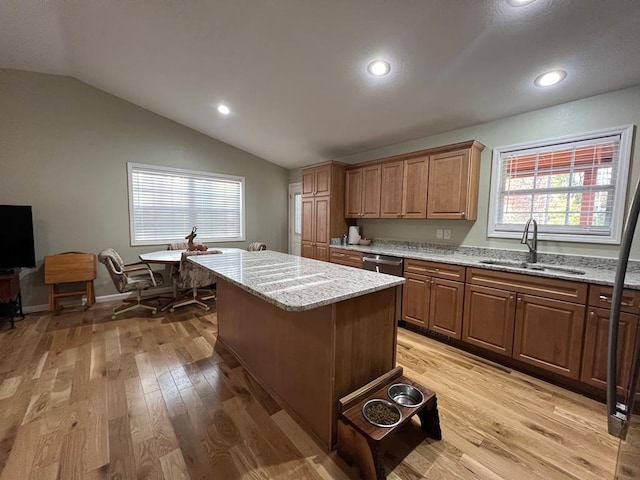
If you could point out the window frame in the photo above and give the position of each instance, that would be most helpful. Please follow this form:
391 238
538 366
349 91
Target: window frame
182 171
620 187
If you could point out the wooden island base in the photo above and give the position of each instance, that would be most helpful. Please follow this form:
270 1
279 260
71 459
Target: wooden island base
309 359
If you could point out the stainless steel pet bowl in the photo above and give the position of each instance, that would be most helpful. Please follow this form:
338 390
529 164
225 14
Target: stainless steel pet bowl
379 401
405 395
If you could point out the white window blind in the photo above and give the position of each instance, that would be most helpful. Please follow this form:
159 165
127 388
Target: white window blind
165 203
574 187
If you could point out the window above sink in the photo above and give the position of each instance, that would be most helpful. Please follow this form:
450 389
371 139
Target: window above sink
573 186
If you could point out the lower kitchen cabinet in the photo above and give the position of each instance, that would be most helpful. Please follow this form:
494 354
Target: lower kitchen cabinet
445 307
415 299
348 258
489 318
432 302
548 334
594 359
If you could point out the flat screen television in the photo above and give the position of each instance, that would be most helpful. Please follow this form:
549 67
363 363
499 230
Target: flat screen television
16 237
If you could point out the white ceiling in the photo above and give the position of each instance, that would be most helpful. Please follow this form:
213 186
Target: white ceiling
294 71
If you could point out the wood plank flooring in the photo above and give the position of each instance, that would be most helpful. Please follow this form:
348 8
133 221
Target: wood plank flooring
86 397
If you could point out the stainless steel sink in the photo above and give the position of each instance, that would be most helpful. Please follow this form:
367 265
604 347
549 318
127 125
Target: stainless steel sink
533 266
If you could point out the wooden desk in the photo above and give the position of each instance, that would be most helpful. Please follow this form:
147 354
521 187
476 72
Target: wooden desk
70 267
10 294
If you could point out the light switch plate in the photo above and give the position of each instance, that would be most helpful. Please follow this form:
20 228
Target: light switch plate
447 234
439 233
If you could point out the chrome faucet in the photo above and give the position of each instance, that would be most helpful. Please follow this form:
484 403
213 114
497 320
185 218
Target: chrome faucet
533 244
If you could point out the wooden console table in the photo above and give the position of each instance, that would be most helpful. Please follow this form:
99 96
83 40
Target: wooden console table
10 294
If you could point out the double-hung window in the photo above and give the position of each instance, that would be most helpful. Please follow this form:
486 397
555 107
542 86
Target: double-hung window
574 187
165 203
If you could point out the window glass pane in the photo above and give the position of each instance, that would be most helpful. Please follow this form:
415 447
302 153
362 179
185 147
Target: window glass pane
166 203
568 187
297 230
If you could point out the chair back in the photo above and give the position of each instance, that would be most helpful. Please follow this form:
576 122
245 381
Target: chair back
256 247
193 276
177 246
115 267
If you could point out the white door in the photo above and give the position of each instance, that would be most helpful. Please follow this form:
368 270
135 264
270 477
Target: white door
295 217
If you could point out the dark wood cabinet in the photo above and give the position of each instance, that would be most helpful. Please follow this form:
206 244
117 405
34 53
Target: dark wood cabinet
391 190
362 195
489 318
594 358
348 258
322 209
453 184
10 296
548 334
415 299
432 299
445 307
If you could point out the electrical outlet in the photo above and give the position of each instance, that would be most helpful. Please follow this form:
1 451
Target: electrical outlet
447 234
439 233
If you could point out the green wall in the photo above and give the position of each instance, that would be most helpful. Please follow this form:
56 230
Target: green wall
64 147
612 109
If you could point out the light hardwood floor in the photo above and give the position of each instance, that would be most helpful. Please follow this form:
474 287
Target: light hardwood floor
83 396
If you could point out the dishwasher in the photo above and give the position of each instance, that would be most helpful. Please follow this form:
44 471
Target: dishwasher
390 266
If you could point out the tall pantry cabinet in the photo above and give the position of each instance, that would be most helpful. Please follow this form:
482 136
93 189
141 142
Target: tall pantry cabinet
322 208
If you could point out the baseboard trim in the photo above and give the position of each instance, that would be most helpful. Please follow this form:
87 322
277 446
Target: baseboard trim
101 299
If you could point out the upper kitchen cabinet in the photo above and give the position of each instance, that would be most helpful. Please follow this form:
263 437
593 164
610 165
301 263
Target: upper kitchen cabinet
453 183
404 188
362 192
322 208
316 181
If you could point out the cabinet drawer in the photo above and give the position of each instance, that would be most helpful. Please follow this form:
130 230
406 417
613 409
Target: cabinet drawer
433 269
346 257
600 296
568 291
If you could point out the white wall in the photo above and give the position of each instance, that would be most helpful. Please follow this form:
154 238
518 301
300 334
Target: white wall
612 109
64 147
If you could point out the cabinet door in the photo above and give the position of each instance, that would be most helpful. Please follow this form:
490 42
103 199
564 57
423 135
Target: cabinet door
448 185
323 180
353 193
445 307
415 299
489 318
321 211
548 334
307 250
308 234
391 190
322 252
414 188
308 182
371 183
594 360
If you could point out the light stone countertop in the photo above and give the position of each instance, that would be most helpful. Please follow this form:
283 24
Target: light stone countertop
294 283
597 270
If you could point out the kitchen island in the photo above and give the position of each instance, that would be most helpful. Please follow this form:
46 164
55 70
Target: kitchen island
310 332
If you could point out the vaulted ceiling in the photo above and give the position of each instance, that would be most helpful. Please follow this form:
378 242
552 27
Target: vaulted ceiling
293 72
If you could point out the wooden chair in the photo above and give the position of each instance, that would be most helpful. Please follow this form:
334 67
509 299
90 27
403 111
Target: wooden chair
70 267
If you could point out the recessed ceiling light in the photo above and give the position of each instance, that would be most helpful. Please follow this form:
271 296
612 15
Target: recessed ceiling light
379 68
519 3
550 78
223 109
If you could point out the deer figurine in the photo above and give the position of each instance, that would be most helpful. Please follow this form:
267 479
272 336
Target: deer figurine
191 246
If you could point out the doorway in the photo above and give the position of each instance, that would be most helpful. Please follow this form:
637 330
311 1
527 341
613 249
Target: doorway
295 217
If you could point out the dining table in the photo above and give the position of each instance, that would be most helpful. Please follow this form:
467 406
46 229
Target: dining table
173 257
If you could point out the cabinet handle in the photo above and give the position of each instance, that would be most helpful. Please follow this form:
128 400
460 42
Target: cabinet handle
511 297
606 299
519 300
592 314
463 213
